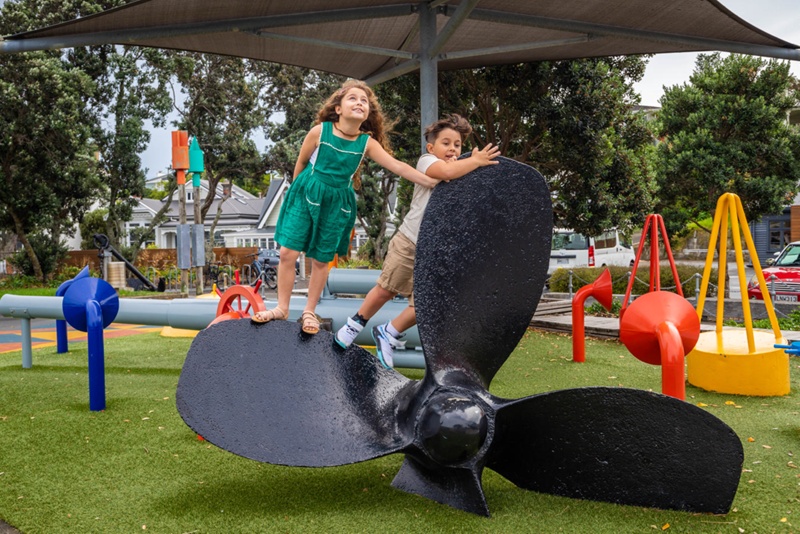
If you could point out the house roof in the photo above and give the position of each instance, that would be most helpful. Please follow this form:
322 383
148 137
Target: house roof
369 39
241 208
276 188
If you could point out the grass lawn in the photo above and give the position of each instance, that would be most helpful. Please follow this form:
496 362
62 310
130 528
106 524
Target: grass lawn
137 467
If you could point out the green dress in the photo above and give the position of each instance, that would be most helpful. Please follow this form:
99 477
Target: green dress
319 209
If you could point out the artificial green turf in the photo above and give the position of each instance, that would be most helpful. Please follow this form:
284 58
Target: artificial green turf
137 467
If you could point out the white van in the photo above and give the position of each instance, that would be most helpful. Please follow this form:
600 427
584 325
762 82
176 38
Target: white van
571 249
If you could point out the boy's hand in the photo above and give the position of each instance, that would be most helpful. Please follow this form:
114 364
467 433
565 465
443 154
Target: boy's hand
486 156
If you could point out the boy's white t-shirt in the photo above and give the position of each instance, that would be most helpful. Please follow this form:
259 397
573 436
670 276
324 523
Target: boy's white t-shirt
419 201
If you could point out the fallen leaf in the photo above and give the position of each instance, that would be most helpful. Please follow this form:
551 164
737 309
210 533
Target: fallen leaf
790 464
702 404
783 520
665 527
751 440
730 403
766 446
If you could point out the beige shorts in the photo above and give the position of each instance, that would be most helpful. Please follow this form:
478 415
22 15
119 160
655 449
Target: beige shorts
398 267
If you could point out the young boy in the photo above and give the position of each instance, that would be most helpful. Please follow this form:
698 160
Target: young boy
444 138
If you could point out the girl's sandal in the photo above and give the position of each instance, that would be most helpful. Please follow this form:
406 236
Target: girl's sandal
310 322
275 314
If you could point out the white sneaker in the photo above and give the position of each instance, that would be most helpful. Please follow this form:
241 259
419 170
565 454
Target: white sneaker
348 333
385 345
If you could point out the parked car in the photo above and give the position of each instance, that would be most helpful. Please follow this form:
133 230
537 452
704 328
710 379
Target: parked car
273 257
782 276
571 249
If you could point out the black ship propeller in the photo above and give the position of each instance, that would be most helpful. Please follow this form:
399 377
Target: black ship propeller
270 393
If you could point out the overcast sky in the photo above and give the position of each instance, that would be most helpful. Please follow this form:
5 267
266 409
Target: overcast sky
780 18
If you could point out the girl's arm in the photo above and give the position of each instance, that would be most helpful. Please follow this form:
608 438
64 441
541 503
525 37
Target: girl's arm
309 144
376 153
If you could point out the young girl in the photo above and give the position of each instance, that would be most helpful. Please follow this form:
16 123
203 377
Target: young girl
319 209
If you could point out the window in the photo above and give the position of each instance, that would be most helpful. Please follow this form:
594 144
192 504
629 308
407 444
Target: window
606 240
779 233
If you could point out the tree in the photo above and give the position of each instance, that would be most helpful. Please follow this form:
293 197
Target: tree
223 106
726 131
131 89
46 166
572 120
297 95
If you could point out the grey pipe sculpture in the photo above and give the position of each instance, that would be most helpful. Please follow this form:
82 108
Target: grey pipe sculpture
270 393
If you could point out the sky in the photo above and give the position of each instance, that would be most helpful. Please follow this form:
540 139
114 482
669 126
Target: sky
781 18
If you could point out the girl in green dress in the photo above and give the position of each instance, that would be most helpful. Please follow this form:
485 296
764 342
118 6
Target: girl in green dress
319 209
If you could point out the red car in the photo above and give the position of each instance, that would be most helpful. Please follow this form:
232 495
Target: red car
782 276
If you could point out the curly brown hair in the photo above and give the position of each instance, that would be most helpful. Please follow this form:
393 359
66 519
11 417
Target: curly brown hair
374 125
453 121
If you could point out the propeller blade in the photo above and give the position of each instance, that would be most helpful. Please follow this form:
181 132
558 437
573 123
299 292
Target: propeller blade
618 445
481 265
456 487
273 394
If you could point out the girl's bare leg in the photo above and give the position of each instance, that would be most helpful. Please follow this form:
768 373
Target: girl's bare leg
285 284
319 276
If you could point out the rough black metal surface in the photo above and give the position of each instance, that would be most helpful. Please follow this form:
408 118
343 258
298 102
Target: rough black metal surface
619 445
271 393
482 258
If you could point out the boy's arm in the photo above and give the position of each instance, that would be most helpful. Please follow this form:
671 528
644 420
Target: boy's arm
452 169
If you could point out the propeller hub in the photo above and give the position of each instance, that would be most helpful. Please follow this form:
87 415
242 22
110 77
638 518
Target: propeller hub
452 428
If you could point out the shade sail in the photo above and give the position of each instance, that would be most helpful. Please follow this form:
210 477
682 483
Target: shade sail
379 39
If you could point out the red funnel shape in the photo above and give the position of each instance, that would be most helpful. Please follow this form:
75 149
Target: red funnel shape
600 289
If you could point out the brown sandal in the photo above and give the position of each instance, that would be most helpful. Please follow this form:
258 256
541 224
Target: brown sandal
275 314
310 322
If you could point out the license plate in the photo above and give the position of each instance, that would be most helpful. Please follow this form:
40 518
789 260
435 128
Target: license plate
562 260
785 298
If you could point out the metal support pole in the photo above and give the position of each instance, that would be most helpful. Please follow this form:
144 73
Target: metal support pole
428 69
569 285
197 242
97 366
27 347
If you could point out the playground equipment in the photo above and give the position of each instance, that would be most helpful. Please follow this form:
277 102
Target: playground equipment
732 361
660 328
652 225
273 394
196 314
89 305
601 291
102 242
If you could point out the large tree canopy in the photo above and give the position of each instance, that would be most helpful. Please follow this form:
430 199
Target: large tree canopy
726 131
46 164
224 104
575 121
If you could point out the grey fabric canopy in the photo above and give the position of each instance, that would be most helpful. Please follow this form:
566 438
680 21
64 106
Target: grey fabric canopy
378 40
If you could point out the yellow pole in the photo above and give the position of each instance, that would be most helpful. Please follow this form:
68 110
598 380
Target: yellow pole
762 284
737 246
723 268
701 299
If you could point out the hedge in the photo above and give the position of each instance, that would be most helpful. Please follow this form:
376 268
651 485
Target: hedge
581 276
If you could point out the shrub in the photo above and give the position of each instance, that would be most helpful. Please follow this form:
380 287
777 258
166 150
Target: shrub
581 276
49 252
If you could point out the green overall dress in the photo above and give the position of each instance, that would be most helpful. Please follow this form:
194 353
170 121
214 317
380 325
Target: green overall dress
319 209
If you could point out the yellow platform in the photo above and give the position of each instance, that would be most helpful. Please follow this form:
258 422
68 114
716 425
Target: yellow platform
723 363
